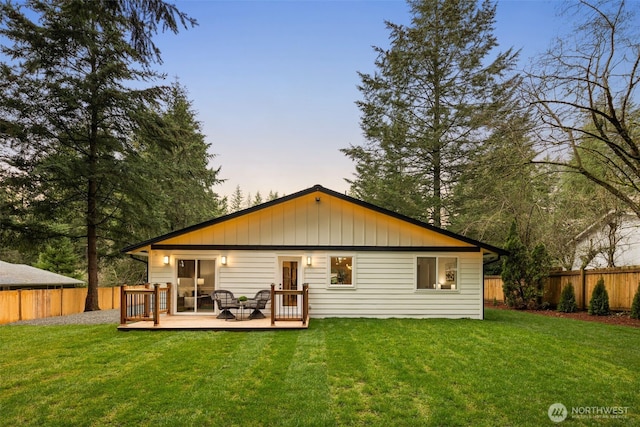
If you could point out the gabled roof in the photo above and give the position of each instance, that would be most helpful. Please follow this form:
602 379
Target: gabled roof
317 188
20 275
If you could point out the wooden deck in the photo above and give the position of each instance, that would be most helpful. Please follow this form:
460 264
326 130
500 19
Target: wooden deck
210 323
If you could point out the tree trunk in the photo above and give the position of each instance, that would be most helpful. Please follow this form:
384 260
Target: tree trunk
91 304
437 187
437 156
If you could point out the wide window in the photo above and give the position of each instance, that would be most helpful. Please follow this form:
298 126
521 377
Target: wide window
341 271
437 273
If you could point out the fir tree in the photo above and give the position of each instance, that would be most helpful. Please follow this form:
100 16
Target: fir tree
599 303
429 106
60 258
635 305
67 112
567 302
514 270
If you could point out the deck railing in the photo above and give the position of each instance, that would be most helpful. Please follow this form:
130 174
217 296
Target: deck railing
146 303
290 305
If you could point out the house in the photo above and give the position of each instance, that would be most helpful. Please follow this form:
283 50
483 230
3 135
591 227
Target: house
612 241
358 259
20 276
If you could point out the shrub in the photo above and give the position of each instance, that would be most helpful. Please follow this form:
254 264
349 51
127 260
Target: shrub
635 305
567 302
599 304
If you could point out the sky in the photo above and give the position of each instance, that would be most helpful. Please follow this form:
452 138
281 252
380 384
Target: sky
274 83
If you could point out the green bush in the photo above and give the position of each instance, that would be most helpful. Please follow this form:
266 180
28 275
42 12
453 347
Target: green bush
635 305
599 304
567 302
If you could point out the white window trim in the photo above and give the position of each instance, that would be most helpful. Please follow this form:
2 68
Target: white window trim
353 271
437 257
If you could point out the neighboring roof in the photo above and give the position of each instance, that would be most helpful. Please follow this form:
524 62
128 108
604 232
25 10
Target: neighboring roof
602 221
25 275
316 188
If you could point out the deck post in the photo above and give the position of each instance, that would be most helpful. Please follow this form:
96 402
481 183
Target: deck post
305 302
273 304
156 304
147 306
123 304
168 298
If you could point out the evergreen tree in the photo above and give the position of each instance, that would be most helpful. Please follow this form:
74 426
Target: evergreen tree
174 161
537 273
272 195
66 114
257 200
599 303
514 270
635 305
237 200
60 258
567 302
428 106
502 186
524 272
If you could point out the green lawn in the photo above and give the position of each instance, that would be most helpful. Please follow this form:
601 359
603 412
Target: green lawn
506 370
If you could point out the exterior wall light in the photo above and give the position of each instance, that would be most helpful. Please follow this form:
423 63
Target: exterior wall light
165 260
308 260
223 260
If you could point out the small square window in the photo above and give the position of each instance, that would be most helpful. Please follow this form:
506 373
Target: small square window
437 273
341 270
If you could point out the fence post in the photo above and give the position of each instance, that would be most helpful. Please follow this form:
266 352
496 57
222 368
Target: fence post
583 285
123 305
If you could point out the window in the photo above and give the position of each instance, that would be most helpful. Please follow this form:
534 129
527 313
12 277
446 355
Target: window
341 271
437 273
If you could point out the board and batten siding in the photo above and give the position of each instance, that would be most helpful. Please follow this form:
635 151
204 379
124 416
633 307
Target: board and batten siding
385 282
305 222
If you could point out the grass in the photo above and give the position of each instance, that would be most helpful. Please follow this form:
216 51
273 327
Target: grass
506 370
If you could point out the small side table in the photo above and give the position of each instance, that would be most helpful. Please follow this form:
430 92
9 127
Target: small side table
240 310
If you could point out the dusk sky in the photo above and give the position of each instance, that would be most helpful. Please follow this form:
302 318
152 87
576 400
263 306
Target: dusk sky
274 83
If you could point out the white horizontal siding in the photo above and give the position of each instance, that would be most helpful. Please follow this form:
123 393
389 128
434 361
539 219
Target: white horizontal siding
385 287
385 283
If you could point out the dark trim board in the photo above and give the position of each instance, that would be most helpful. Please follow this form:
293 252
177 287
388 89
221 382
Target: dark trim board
317 248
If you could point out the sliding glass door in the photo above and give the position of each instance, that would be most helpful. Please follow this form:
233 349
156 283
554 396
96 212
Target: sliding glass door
196 282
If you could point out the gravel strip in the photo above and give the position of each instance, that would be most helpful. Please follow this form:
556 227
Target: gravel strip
87 318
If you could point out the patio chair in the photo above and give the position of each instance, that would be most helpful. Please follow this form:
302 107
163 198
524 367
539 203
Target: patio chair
259 302
225 301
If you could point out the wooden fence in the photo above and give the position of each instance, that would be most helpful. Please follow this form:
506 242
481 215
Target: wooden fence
621 284
38 303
